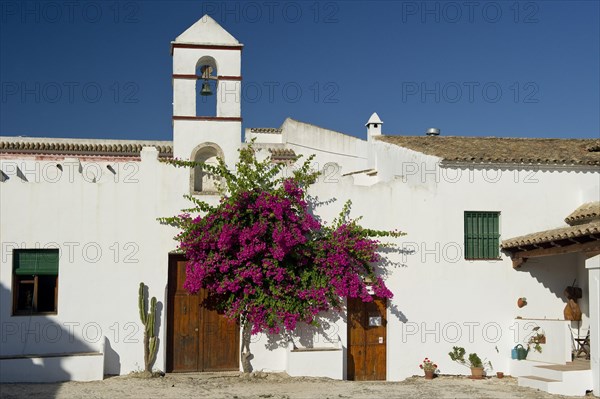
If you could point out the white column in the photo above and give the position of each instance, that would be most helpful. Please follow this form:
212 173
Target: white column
593 266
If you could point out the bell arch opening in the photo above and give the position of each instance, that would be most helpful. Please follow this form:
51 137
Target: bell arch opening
206 87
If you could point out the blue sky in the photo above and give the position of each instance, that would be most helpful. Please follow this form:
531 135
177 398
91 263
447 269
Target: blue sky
102 69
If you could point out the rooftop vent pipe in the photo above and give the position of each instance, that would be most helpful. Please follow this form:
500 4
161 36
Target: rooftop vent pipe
433 132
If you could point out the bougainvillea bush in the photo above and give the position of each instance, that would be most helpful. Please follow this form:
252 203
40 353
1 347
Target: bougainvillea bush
264 258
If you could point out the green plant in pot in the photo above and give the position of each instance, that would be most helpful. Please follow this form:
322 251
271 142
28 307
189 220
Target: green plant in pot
473 362
539 337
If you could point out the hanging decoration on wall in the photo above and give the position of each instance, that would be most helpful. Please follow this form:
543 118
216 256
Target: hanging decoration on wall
572 310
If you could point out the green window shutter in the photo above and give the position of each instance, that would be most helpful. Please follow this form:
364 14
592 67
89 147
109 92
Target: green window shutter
494 237
482 235
468 236
36 262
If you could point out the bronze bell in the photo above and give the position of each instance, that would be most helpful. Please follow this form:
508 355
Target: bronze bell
206 91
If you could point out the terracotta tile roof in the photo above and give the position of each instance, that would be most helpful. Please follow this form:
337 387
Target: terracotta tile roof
496 150
583 221
585 213
561 233
270 130
82 147
282 154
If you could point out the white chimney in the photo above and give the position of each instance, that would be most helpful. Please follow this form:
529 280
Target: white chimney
373 126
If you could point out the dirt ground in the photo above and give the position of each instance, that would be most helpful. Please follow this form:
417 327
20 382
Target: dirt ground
272 385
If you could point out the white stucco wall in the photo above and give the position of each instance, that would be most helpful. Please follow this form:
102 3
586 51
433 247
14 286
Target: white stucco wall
88 367
438 295
330 147
593 266
109 242
441 299
109 239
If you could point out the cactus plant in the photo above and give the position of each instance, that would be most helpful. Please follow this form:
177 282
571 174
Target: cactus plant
148 320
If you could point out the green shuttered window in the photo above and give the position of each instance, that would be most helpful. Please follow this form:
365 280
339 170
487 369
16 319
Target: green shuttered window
482 235
35 281
36 261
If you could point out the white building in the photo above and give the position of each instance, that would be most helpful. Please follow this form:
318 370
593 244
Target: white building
79 233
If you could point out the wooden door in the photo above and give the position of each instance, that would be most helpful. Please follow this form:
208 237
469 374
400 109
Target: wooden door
219 342
367 339
198 339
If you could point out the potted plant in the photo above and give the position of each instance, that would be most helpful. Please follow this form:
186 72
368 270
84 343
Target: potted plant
536 339
429 368
522 302
474 362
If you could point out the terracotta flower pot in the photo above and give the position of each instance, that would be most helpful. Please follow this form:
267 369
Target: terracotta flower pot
521 302
500 374
429 375
477 373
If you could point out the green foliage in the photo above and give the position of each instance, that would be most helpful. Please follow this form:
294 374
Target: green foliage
474 361
261 254
537 339
250 175
458 355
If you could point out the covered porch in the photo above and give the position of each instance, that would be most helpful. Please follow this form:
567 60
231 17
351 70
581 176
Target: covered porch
567 359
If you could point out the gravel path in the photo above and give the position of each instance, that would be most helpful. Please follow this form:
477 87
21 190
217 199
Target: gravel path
272 385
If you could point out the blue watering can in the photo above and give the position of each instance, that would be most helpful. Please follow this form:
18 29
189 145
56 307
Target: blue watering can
519 353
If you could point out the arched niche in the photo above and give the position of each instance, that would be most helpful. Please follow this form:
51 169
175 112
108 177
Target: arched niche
202 182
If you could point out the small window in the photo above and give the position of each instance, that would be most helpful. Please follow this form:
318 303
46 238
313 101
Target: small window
482 235
35 281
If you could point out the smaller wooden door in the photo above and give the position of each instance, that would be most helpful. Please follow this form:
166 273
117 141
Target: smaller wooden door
367 340
220 341
198 339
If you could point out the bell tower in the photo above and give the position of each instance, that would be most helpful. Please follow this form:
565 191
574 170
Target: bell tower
206 65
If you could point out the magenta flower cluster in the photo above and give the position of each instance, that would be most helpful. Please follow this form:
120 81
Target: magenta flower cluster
265 259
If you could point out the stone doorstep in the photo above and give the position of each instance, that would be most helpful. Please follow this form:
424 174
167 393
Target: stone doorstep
540 383
570 366
536 378
532 381
557 379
